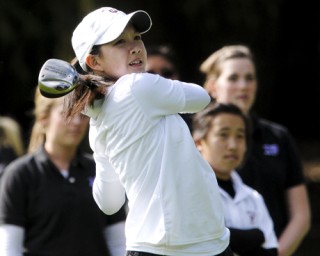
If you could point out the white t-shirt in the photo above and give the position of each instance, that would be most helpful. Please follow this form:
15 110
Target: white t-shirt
142 146
248 210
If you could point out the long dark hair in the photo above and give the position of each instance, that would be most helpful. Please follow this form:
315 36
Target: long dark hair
90 87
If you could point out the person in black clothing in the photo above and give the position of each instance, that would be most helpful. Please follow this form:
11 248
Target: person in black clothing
273 166
46 202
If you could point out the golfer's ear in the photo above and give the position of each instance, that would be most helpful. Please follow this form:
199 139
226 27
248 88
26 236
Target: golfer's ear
93 62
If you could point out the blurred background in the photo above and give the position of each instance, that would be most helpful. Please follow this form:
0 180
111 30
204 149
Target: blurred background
284 35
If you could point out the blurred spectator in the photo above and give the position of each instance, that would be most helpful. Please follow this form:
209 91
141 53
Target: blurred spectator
46 202
161 60
220 133
273 166
11 143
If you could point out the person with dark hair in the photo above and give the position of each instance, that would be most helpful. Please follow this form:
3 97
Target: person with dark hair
273 167
220 132
161 61
142 147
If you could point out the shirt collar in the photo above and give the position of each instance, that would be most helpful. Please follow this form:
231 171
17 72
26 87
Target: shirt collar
42 156
94 111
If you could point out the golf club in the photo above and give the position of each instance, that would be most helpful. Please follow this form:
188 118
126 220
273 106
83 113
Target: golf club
57 78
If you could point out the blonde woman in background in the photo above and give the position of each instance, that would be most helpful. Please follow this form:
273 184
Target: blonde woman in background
273 167
46 202
11 143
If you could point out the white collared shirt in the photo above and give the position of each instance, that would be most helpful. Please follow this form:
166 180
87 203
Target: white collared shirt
140 143
248 210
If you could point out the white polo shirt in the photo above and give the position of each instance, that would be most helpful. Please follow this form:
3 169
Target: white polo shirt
142 146
248 210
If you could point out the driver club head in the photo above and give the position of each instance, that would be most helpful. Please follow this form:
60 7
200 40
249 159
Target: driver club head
57 78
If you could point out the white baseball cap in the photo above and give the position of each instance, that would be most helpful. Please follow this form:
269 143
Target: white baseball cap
103 26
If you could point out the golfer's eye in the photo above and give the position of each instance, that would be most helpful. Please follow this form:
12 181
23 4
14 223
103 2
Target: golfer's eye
138 37
120 41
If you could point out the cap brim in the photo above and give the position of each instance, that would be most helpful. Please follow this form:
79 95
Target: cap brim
139 19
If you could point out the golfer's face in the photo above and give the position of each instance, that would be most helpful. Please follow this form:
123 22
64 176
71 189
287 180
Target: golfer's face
124 55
